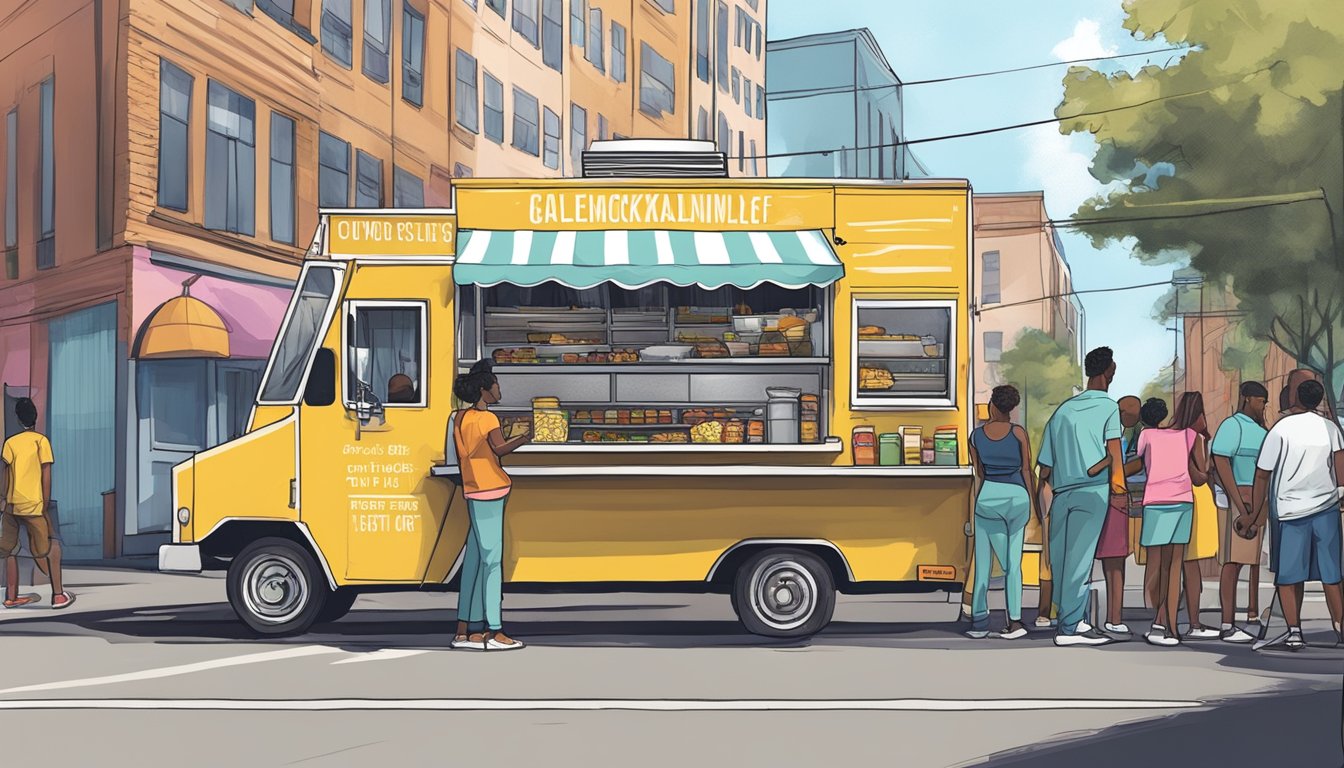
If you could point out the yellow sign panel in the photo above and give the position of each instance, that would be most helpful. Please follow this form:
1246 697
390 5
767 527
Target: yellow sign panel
700 207
408 235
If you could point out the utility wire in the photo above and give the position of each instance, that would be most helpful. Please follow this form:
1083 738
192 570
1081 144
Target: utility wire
1071 223
978 310
803 93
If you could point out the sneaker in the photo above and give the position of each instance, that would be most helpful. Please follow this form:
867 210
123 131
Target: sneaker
1065 641
494 643
61 601
977 634
1117 629
1044 622
1013 634
472 642
1202 633
1162 638
1294 641
1236 636
1083 628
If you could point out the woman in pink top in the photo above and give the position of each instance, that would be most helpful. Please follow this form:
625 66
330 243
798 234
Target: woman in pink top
1173 458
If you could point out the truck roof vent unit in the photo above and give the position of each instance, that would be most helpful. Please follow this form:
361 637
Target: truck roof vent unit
654 158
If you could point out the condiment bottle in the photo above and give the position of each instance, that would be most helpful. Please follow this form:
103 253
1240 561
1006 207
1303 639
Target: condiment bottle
864 445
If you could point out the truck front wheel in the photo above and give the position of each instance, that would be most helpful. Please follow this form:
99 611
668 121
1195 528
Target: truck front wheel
785 593
276 587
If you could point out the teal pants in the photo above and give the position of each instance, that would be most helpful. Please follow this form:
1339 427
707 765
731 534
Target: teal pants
1001 513
482 592
1076 519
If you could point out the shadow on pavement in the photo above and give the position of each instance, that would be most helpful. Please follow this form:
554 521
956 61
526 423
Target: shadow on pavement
1297 729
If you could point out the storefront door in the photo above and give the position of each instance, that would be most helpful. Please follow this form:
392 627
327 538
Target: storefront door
82 418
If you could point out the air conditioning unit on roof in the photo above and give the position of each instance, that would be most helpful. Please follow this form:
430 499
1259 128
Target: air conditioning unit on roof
654 158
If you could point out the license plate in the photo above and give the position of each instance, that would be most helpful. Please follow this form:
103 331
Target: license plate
937 573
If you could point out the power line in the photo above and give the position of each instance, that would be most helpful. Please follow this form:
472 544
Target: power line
1071 223
978 310
999 129
803 93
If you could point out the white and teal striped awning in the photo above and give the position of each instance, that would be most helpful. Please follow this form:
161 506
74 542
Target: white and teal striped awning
635 258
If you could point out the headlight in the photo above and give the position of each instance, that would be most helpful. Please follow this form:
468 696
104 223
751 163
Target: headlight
183 515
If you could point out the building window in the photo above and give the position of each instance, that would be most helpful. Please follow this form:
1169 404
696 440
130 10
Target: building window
498 6
601 127
737 86
526 122
725 136
494 109
461 171
282 11
721 46
408 191
337 31
993 346
471 3
525 21
702 40
230 161
46 243
617 52
412 56
989 278
282 179
368 180
594 51
746 96
657 83
377 34
174 135
741 152
12 181
577 14
755 170
760 42
333 171
550 139
737 27
553 34
467 114
578 136
760 102
702 125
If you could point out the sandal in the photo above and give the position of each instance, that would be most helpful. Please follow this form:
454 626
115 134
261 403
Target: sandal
472 642
492 643
22 600
62 601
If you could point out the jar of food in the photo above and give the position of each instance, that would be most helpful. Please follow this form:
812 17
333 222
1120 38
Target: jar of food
864 445
808 432
782 414
756 431
889 448
733 431
550 424
927 453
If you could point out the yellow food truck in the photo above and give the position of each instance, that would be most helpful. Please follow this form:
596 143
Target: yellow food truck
758 387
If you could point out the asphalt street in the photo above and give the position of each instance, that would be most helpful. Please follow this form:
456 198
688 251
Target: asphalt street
148 669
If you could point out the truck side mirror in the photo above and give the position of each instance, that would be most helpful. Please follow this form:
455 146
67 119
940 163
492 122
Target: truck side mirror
321 389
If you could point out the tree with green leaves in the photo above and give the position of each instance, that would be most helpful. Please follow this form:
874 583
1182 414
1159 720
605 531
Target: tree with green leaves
1045 372
1161 385
1233 157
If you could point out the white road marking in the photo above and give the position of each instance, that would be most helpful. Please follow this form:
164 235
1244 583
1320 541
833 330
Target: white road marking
181 669
641 705
383 654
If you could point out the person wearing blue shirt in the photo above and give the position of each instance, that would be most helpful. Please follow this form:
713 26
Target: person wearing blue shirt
1081 440
1235 448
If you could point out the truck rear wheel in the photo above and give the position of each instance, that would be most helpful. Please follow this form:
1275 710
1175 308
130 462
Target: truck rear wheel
785 593
276 587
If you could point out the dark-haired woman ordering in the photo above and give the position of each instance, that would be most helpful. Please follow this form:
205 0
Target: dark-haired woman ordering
1001 454
480 444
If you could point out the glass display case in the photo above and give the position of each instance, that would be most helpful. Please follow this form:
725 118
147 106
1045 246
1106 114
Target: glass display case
902 353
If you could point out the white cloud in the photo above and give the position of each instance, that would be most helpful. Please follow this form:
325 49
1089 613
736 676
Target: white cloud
1059 165
1085 43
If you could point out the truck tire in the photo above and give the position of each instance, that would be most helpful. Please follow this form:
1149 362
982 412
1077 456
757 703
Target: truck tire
337 604
785 593
276 587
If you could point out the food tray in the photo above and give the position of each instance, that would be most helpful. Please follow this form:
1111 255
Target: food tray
666 352
890 349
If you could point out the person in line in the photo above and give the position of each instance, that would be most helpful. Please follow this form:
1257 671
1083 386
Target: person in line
1082 432
25 490
401 389
1169 458
1236 446
1113 547
480 445
1299 467
1001 455
1203 543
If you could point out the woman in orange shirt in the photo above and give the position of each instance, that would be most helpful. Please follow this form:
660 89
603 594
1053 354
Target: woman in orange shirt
480 444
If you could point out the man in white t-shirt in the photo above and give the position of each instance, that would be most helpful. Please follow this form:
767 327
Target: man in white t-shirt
1301 462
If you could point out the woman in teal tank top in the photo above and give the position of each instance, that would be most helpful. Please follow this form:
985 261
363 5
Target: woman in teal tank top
1001 454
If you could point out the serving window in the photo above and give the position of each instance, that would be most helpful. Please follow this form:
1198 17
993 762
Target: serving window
902 353
385 353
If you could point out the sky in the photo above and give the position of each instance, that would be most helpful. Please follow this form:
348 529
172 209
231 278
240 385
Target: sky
925 39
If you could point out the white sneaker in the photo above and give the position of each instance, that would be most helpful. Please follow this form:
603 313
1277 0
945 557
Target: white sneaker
1015 634
977 634
494 645
1044 623
1237 636
1160 637
1065 641
1083 628
1202 633
466 643
1117 629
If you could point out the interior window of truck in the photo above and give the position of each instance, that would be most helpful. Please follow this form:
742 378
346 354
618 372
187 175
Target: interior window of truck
298 340
902 353
385 353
